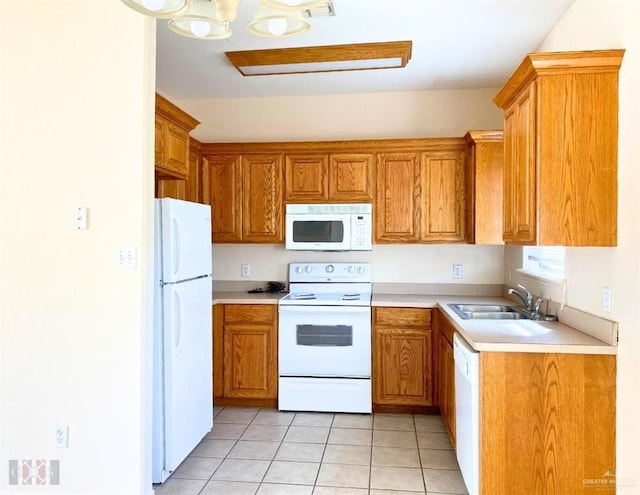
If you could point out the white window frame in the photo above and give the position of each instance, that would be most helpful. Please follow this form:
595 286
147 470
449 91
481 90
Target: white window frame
544 263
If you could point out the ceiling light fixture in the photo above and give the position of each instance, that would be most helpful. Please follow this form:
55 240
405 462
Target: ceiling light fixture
273 23
211 19
293 4
201 21
360 56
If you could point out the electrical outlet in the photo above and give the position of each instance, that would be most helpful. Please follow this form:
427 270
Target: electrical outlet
457 271
126 257
606 299
245 270
61 437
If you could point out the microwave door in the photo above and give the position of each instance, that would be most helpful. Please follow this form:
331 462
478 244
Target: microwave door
318 232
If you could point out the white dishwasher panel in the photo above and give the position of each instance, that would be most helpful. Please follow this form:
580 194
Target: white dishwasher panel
467 378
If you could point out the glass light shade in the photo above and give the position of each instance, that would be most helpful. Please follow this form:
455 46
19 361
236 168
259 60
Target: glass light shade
162 9
226 10
271 23
293 4
200 22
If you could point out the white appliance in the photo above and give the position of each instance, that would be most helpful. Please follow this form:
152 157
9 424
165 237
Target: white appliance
334 227
324 338
182 358
467 383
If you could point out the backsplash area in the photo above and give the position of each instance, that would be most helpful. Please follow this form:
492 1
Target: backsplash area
391 263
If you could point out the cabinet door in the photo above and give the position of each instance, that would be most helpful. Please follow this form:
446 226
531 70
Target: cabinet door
306 177
193 185
351 177
171 188
160 126
447 386
509 188
262 208
396 207
172 161
442 201
524 170
249 354
402 357
225 197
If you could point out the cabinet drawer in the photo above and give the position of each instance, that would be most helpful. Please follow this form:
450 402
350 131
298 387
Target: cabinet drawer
403 317
252 313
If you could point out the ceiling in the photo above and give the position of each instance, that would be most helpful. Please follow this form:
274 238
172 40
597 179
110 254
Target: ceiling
456 44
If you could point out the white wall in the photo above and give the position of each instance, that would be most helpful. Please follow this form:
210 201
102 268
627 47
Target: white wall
417 264
76 115
446 113
603 24
361 116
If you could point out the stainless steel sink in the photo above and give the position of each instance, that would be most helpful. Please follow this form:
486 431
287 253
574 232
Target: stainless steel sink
484 308
487 312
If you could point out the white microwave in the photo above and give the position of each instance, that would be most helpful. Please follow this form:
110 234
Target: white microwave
328 227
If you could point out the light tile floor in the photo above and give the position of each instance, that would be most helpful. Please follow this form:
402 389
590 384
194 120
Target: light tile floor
266 452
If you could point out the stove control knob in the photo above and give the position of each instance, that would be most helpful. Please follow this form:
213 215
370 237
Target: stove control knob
299 269
329 268
307 268
361 269
351 269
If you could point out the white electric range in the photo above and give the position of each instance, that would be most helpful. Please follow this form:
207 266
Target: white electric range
324 338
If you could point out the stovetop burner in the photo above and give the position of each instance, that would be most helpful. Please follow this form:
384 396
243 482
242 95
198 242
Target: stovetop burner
329 284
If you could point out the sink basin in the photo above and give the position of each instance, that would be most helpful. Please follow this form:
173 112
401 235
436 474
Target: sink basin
484 308
487 312
492 315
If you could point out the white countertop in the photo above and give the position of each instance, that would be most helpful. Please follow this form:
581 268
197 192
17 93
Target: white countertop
482 335
504 335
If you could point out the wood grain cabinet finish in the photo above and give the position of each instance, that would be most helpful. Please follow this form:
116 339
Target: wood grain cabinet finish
328 177
484 181
446 384
560 143
547 423
262 204
172 128
442 197
420 196
225 197
397 202
245 355
245 193
402 359
192 188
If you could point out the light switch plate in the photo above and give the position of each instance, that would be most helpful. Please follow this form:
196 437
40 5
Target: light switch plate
457 271
126 257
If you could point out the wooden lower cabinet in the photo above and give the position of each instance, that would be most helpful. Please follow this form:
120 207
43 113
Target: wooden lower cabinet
446 383
245 345
402 358
547 423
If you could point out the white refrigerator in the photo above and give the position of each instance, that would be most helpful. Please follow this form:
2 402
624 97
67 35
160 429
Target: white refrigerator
182 360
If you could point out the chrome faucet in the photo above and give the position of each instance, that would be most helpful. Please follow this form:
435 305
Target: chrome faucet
527 298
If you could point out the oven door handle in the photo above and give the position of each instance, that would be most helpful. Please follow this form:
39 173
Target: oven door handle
325 309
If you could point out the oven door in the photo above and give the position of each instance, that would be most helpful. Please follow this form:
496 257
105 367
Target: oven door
327 341
318 232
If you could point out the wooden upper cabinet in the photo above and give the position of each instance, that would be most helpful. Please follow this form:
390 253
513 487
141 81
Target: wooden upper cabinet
351 177
306 177
484 187
396 207
225 197
561 141
442 199
262 206
324 177
172 128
